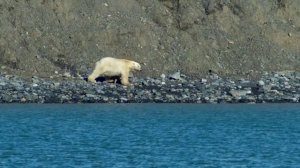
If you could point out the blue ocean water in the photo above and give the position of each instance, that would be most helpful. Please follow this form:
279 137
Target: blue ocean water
150 135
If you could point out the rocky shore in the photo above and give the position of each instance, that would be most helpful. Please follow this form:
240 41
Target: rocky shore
275 87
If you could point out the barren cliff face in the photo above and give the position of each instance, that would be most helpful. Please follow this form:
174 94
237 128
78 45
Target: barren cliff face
229 37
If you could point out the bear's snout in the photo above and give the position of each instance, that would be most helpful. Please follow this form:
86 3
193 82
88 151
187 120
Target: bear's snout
138 67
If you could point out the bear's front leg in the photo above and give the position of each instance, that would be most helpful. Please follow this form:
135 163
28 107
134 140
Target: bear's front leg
124 79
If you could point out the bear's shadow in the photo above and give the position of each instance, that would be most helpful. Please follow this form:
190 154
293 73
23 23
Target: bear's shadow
114 79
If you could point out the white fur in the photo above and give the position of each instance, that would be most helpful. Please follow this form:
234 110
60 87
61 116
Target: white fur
109 66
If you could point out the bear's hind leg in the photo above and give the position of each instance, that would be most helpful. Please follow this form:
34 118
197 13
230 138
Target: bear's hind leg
96 73
92 78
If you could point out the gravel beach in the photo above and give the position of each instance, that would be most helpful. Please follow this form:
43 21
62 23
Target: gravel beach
275 87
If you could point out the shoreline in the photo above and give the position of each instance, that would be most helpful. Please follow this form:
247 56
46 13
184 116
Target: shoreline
275 87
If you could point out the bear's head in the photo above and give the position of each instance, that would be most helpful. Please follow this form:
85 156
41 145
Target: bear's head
135 66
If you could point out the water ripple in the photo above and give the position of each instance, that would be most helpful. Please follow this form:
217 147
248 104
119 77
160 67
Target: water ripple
149 135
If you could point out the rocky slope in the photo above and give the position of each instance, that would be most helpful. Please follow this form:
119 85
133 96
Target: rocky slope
229 37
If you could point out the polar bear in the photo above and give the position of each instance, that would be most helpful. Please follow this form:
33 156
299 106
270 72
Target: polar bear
111 67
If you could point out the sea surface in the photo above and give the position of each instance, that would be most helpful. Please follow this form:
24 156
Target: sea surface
149 135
